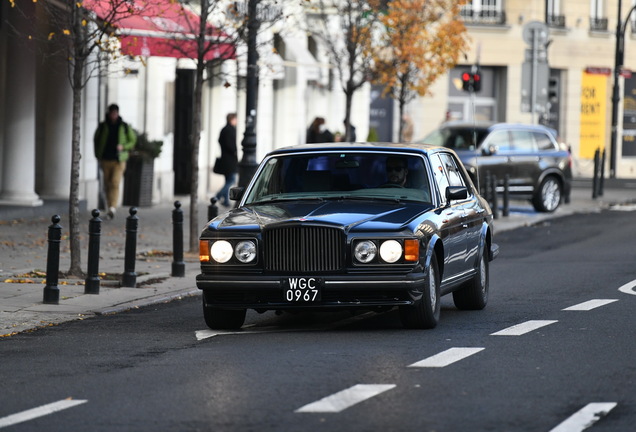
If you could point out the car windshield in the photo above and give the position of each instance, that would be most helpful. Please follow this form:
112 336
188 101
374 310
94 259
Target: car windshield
456 138
341 175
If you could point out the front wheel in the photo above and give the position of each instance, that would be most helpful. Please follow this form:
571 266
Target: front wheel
474 294
548 197
424 314
223 319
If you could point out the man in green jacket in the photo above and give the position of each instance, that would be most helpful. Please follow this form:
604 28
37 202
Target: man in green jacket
113 139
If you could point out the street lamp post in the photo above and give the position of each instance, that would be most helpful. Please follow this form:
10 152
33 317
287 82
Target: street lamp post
248 164
619 56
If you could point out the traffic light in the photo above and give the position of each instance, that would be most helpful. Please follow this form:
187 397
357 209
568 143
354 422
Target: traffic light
553 89
476 82
467 84
471 81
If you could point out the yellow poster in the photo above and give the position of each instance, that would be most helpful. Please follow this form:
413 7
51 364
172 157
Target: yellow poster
593 114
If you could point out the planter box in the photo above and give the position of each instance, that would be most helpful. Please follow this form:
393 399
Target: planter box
138 180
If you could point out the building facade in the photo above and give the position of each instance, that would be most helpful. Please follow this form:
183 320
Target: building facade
297 84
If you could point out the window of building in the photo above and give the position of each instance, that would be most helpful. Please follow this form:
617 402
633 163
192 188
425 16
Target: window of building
598 20
484 12
554 14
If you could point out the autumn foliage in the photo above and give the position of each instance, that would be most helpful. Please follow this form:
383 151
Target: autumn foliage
420 40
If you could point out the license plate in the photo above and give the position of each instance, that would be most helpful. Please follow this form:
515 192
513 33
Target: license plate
302 289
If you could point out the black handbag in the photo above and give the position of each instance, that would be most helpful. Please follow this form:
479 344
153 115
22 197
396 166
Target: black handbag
218 166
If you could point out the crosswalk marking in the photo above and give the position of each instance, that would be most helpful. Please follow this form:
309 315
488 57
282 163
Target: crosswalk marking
447 357
346 398
523 328
39 411
585 417
589 305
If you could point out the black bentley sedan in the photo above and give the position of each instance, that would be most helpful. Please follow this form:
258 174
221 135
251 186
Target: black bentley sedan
358 226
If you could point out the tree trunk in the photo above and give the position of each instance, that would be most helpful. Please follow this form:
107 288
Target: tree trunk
73 202
196 138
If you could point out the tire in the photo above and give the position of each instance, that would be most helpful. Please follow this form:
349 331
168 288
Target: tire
548 197
424 314
474 294
223 319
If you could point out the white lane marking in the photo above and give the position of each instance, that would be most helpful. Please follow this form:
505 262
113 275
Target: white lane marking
585 417
346 398
39 411
628 288
523 328
590 304
447 357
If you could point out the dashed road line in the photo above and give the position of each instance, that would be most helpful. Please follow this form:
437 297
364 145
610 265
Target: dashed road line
628 288
523 328
39 411
447 357
591 304
346 398
585 417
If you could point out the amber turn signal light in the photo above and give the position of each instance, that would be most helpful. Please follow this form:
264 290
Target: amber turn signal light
204 251
411 250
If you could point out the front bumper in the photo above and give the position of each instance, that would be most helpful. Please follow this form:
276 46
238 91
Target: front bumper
267 292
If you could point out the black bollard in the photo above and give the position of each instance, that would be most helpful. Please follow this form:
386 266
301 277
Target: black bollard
178 266
129 278
213 210
601 178
506 196
51 291
493 191
94 233
595 177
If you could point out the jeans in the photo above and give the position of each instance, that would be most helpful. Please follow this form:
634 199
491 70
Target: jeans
224 194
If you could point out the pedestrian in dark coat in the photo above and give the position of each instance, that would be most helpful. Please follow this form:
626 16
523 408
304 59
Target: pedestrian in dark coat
228 164
318 132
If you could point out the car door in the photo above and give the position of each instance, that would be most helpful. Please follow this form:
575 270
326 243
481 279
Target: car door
524 161
495 154
452 230
473 213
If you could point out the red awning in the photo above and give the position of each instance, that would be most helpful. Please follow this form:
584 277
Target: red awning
162 28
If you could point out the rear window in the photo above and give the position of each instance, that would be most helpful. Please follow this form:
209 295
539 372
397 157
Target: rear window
458 138
543 141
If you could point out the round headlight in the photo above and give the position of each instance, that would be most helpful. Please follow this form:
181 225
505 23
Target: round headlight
245 251
221 251
390 251
365 251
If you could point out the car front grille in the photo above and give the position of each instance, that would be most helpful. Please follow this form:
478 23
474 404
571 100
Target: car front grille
303 249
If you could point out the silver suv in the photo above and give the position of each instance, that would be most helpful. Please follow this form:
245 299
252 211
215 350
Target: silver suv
538 168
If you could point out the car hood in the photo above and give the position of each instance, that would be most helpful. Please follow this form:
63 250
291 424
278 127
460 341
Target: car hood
364 215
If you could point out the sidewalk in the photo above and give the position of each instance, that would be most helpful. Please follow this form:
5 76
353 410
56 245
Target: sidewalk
24 246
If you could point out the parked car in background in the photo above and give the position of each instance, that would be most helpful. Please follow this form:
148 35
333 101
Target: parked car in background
539 169
349 226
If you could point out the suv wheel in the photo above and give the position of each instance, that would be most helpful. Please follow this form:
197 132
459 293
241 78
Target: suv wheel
548 197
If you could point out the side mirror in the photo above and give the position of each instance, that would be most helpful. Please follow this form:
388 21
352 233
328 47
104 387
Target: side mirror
236 193
454 193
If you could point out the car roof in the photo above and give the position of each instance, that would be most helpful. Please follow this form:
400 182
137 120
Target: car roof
360 146
492 126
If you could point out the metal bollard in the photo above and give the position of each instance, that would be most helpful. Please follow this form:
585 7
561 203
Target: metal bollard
595 178
506 196
485 191
601 179
51 291
129 278
213 210
493 191
94 233
178 266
